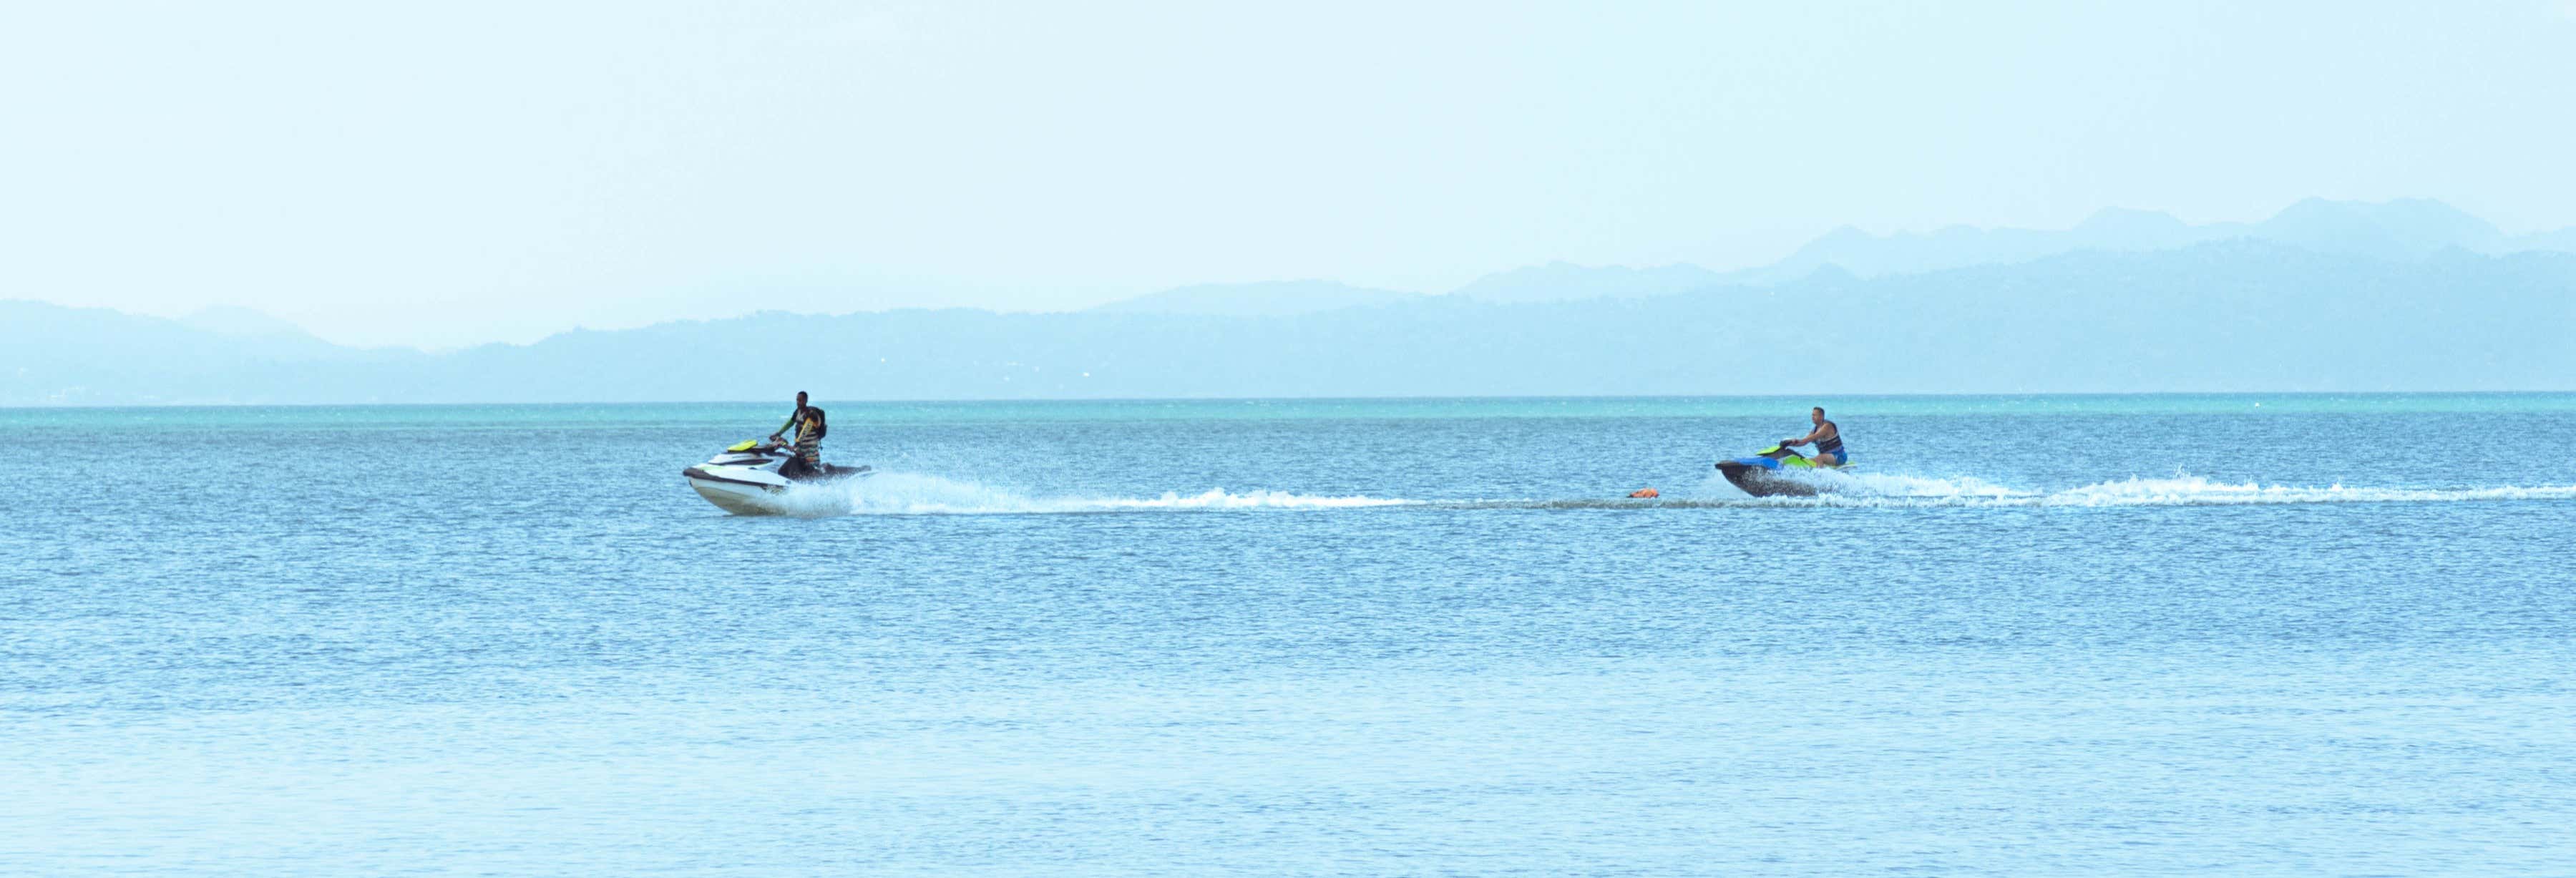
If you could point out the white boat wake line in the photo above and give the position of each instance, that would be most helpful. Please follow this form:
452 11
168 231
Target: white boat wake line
1913 492
1901 491
914 494
2193 491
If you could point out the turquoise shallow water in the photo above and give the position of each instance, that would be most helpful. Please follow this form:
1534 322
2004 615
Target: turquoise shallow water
2294 634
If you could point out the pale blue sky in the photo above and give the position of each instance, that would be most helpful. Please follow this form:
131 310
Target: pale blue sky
449 173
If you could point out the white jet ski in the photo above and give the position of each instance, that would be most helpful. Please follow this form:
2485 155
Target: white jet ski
746 479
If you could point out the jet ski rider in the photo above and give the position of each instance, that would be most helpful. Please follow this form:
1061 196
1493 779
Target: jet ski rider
1827 438
808 423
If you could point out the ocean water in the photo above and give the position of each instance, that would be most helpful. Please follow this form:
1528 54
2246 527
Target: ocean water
2058 635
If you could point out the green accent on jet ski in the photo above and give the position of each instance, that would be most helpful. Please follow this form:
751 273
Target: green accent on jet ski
1795 460
744 445
1792 461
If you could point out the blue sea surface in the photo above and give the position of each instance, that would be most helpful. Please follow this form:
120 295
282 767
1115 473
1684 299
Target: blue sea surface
2034 635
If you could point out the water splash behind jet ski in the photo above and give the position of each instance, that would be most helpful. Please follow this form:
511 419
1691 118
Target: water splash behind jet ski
747 479
1780 471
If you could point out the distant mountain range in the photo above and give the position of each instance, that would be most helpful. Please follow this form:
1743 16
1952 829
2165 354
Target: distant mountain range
2326 296
2393 230
2402 229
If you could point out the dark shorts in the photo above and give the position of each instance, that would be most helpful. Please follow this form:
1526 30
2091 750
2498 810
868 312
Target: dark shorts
806 462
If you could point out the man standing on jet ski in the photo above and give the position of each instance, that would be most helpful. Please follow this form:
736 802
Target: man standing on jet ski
808 423
1827 438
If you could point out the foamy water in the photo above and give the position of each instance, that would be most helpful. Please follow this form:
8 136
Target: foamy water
899 493
1898 491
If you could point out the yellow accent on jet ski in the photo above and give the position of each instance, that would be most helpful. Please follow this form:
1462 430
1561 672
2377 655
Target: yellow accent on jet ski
744 445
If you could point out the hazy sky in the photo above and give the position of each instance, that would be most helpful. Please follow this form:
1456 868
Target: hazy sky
450 173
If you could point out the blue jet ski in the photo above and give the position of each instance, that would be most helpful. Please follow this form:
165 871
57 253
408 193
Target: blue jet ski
1778 471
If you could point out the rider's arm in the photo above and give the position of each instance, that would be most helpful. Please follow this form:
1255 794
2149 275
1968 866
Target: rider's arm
791 422
1802 440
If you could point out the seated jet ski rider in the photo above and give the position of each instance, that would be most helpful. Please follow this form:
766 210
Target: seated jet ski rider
1828 440
808 423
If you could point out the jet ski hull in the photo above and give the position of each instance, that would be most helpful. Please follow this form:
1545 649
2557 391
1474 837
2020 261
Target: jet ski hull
1778 471
1764 482
739 499
736 489
746 480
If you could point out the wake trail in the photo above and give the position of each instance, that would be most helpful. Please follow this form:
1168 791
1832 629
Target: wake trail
1892 491
2194 491
891 493
894 493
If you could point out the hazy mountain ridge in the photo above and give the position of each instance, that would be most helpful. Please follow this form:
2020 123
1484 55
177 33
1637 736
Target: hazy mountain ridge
2235 315
2430 285
2402 229
56 355
2396 230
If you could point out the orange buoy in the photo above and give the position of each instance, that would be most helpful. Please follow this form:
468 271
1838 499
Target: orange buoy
1644 493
